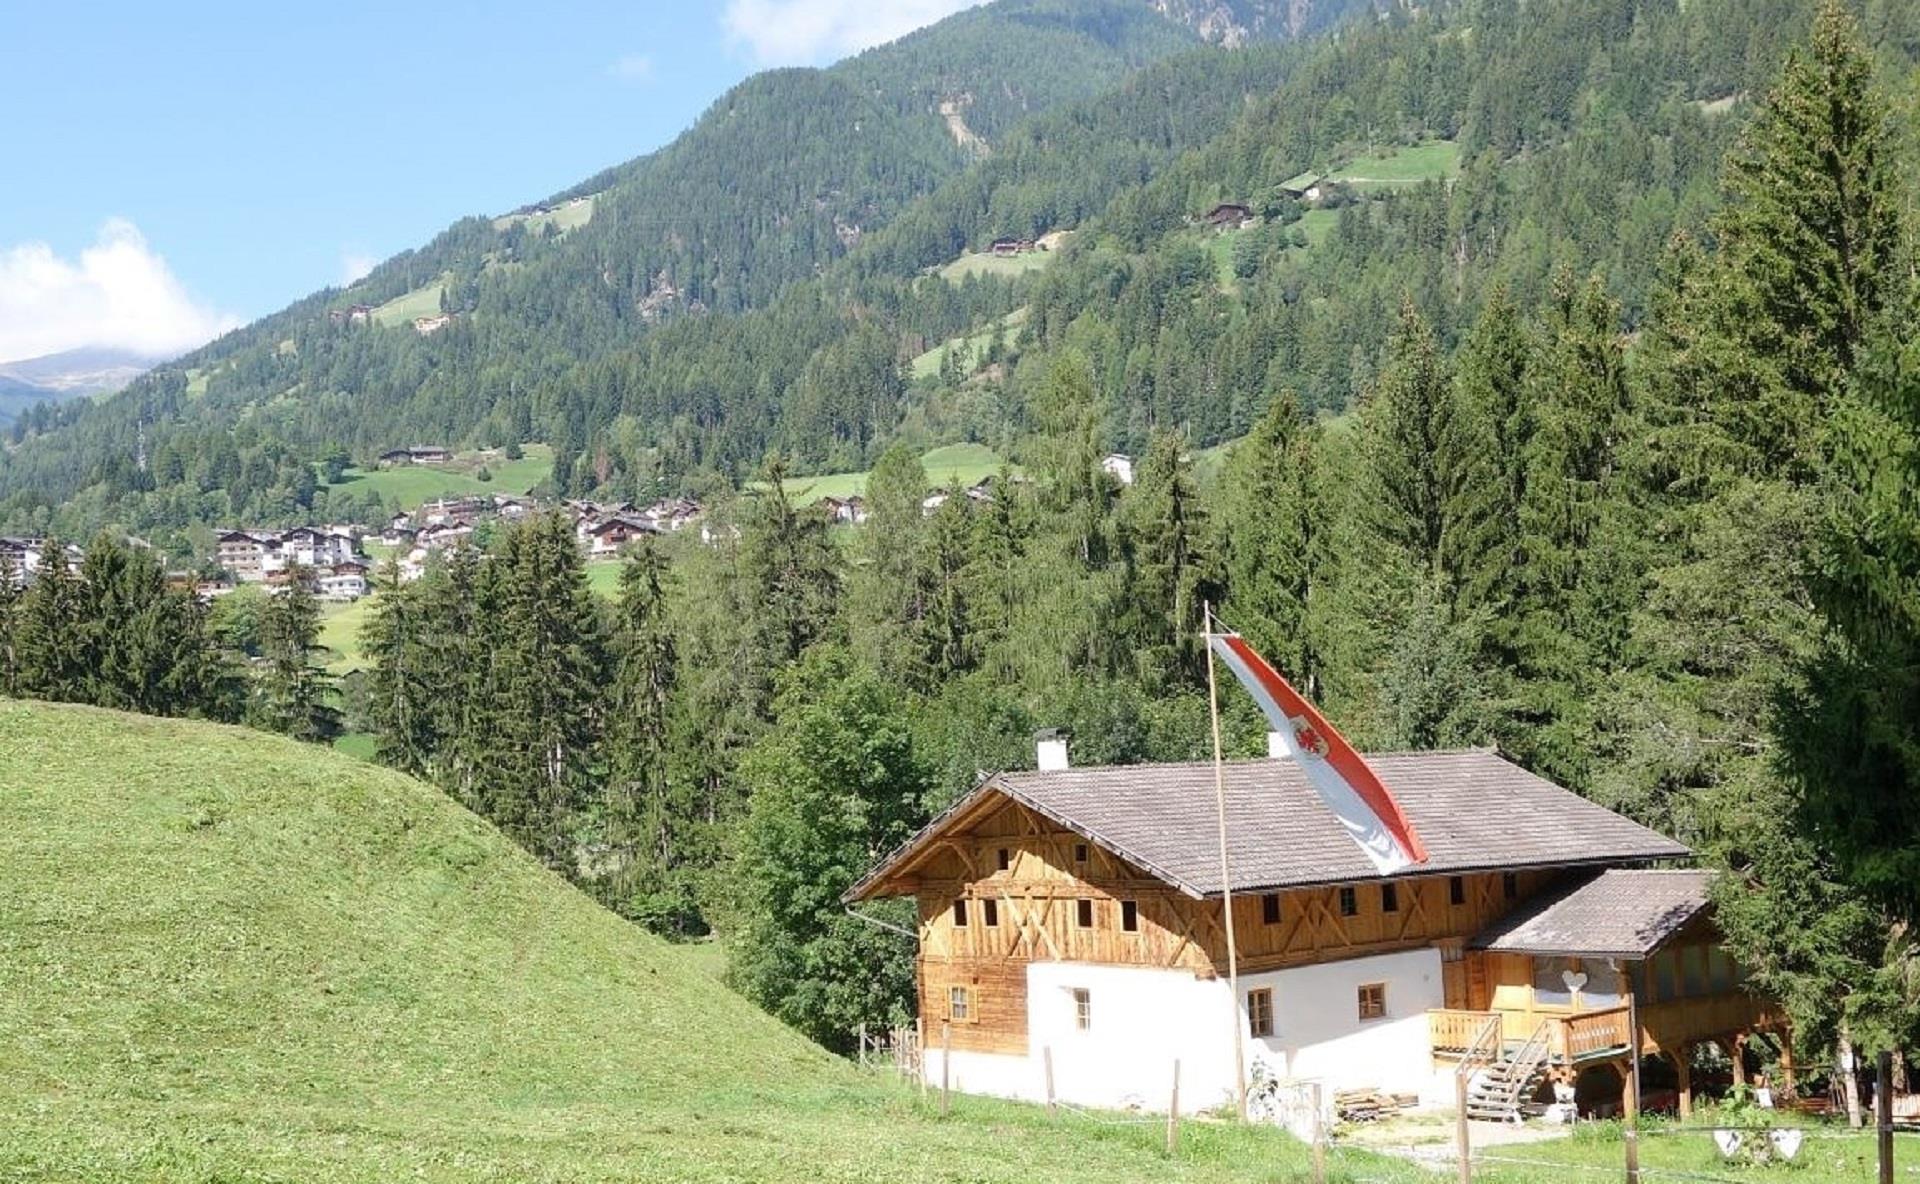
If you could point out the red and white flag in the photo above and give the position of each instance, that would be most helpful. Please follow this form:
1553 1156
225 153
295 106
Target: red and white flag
1344 782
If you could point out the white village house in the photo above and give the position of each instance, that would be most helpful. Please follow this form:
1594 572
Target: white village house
1077 913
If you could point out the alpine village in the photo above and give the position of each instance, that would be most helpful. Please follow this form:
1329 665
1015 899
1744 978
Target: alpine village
1103 590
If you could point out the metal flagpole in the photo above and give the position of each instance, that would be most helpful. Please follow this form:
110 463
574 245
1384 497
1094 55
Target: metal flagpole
1226 878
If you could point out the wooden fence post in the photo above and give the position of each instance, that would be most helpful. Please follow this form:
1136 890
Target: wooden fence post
946 1068
1462 1138
1883 1110
863 1044
1173 1111
920 1053
1046 1060
1319 1134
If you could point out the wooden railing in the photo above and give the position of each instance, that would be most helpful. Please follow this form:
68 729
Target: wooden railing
1591 1032
1453 1031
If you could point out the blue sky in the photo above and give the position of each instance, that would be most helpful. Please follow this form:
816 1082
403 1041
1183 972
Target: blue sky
174 169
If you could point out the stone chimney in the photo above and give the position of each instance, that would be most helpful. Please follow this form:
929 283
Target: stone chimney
1050 749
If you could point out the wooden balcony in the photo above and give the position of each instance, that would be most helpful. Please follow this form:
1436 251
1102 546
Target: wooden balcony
1602 1033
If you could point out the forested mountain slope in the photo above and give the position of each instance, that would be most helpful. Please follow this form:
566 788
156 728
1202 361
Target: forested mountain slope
1585 130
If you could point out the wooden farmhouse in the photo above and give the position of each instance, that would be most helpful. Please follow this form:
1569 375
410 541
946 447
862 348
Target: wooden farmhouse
1074 916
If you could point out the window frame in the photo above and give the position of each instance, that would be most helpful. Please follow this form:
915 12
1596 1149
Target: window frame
1260 1013
961 994
1270 913
1129 916
1005 859
1371 1002
1456 890
960 919
1389 897
1084 916
1082 1008
1349 901
990 913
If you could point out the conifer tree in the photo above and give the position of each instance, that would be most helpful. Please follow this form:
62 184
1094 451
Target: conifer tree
1810 244
1167 575
1265 531
51 628
9 610
1408 428
944 632
532 751
402 686
1485 471
885 600
292 695
650 828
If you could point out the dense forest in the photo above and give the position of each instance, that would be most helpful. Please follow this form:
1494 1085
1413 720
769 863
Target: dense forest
1606 452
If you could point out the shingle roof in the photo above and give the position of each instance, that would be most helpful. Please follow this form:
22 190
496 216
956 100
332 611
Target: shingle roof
1621 913
1474 811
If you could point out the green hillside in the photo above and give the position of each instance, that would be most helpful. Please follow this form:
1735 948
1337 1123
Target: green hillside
230 957
412 484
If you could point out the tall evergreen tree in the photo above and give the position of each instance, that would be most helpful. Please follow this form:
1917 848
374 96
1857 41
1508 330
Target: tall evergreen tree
1810 244
1167 576
533 751
885 599
292 694
1265 528
402 683
650 829
51 635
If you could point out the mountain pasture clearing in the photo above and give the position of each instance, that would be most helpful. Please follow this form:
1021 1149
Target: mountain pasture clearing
410 485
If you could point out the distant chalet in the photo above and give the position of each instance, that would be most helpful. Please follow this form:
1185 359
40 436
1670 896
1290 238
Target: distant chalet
1227 215
352 314
419 454
1008 247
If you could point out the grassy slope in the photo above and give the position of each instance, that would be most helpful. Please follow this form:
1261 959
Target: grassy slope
413 484
963 464
229 957
1407 166
423 301
927 365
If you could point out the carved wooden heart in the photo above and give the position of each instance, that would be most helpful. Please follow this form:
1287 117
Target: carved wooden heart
1575 979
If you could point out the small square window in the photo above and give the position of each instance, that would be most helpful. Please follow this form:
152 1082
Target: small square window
1083 913
990 913
1349 902
959 1004
1006 859
1083 1009
1389 898
1260 1012
1373 1001
1079 852
1130 916
1270 909
960 913
1509 885
1456 890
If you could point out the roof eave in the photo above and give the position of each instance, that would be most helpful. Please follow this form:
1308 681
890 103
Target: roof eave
1614 860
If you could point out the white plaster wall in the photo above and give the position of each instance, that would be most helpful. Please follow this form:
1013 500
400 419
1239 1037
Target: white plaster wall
1319 1036
1144 1018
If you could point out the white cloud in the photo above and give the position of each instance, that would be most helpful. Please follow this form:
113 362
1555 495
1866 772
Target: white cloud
789 32
118 293
354 266
632 67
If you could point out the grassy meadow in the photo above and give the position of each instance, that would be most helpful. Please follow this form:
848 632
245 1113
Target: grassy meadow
948 465
311 969
1434 159
927 365
411 485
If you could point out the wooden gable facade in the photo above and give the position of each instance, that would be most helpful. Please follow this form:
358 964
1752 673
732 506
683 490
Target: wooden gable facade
1006 886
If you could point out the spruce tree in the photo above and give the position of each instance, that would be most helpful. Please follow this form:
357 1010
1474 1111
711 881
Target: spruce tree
1162 527
292 695
649 829
401 684
1484 453
885 601
1265 529
1810 244
51 636
1407 425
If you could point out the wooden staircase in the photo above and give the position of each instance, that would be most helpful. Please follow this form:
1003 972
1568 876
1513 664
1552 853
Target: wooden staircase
1498 1081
